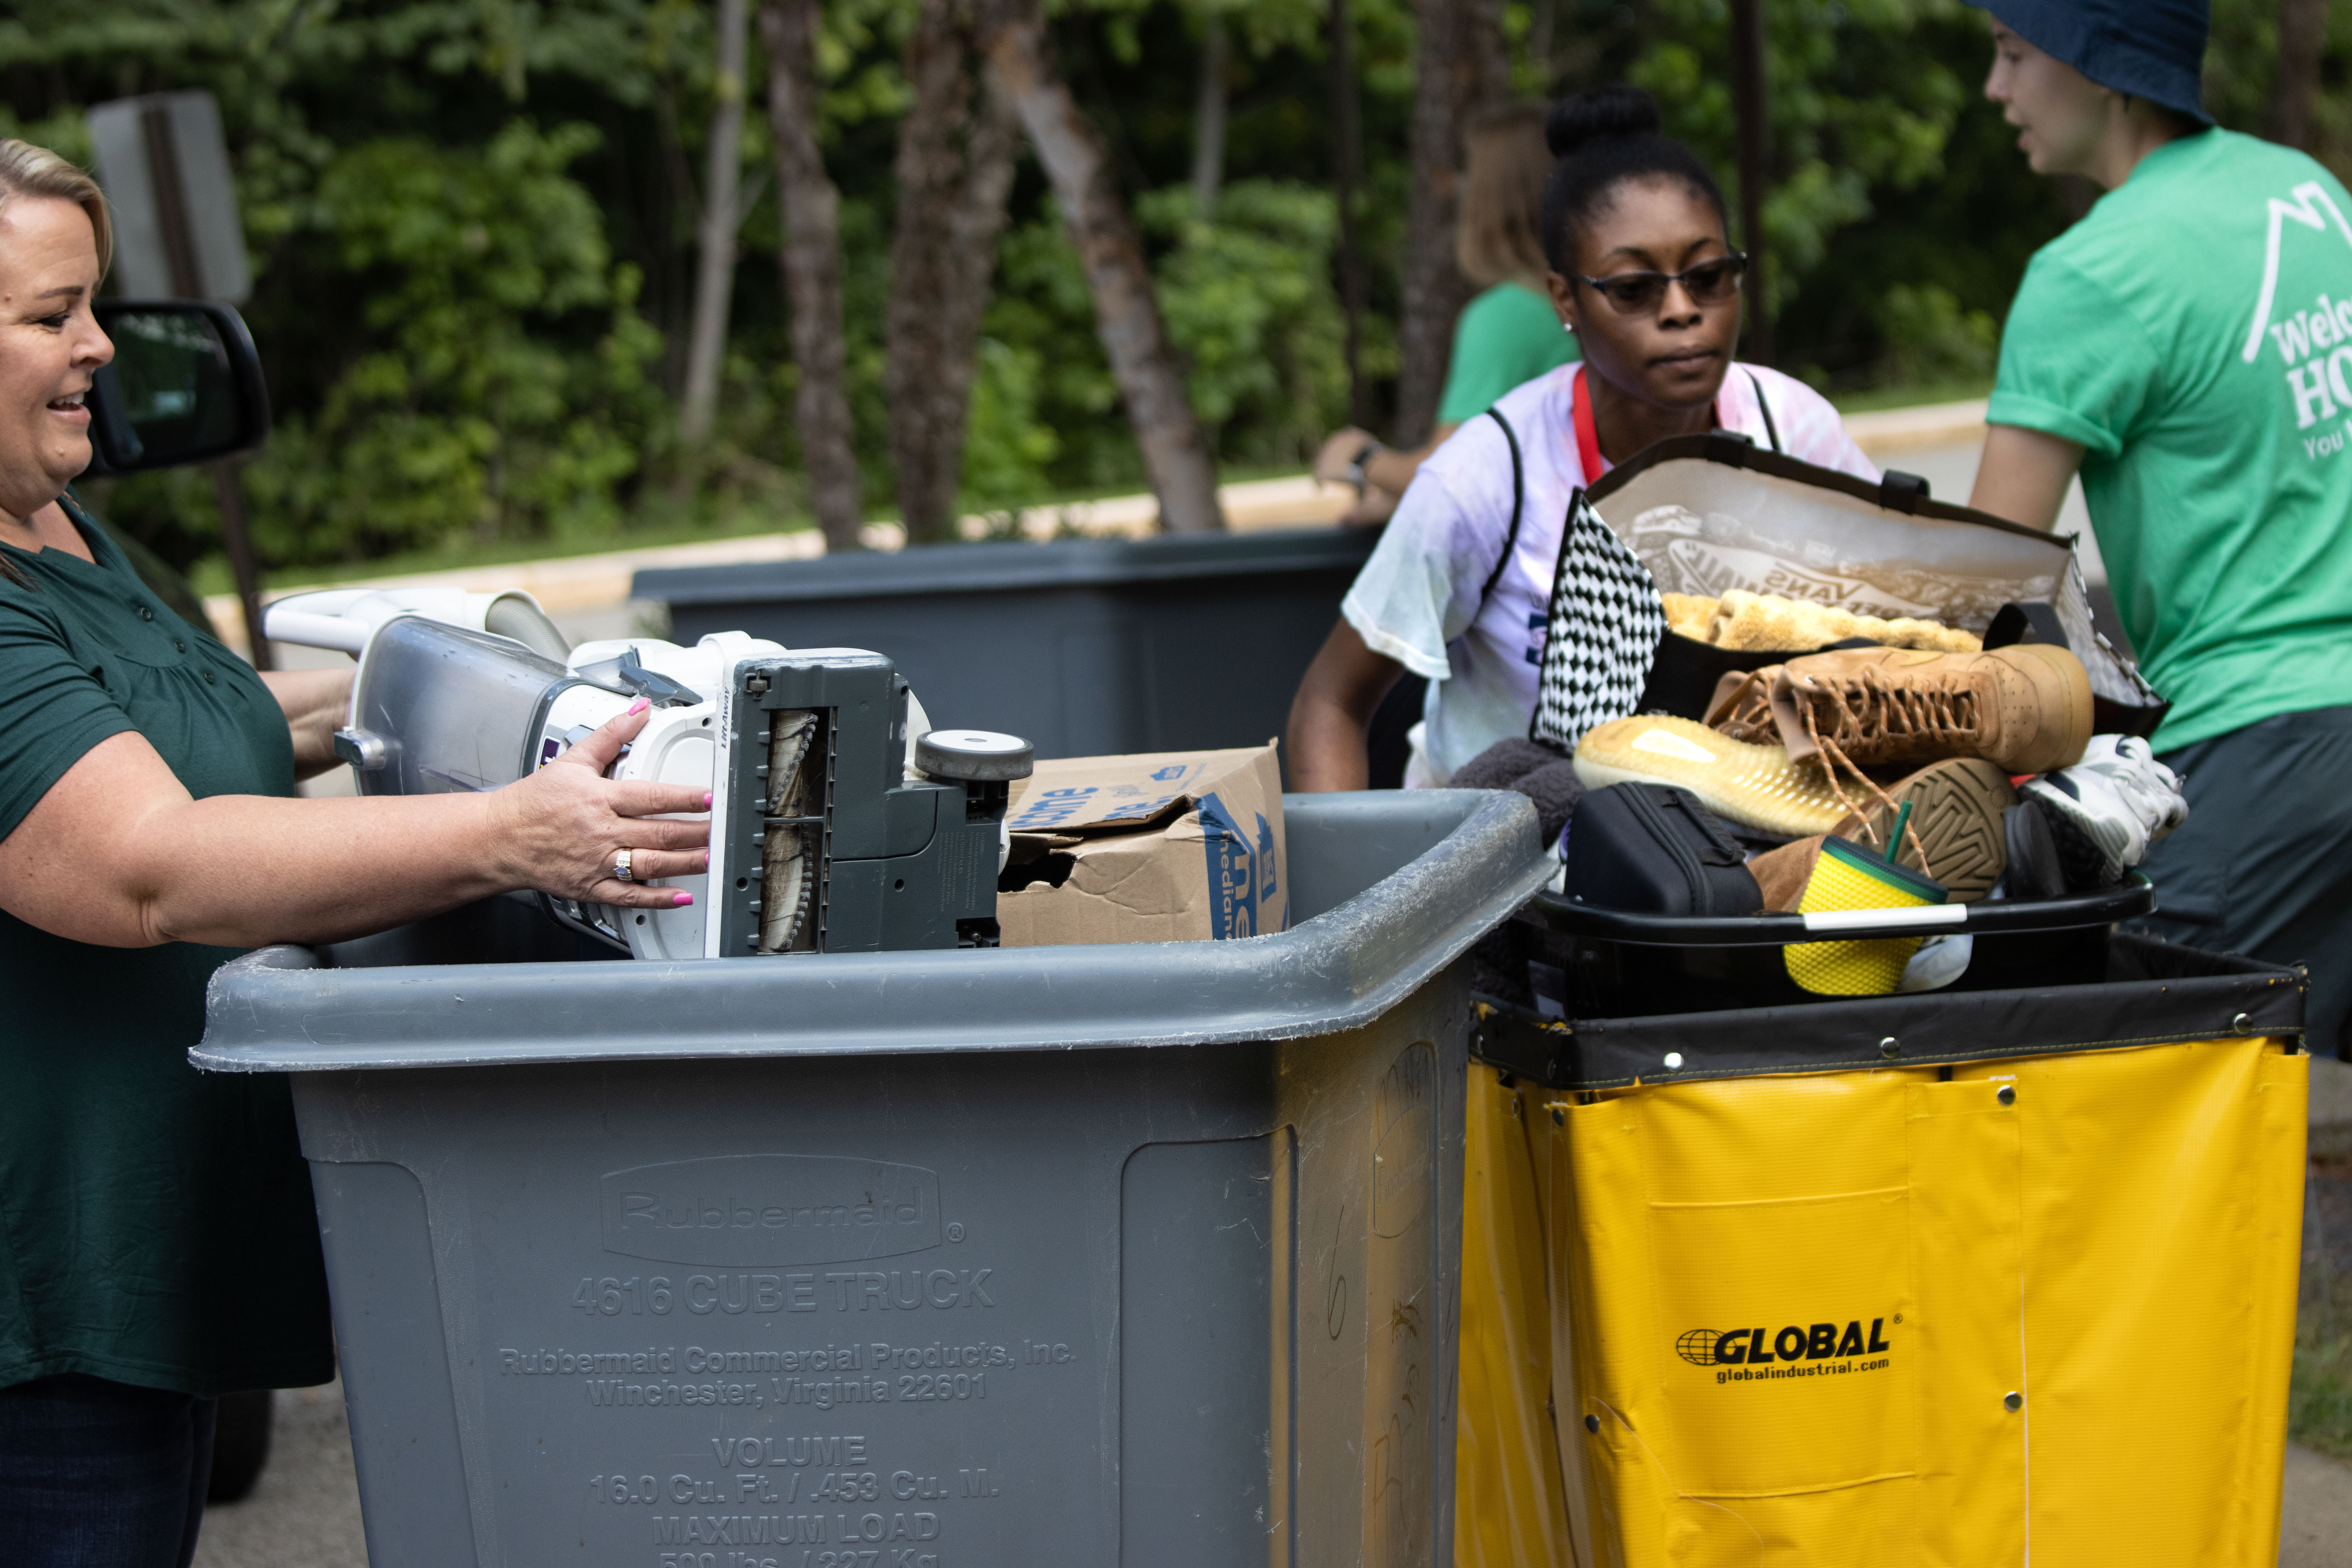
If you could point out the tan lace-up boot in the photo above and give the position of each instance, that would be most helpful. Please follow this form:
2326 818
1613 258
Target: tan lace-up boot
1742 706
2026 708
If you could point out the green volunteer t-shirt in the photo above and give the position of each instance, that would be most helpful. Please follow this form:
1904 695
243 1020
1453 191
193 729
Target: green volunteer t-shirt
2194 334
155 1222
1507 337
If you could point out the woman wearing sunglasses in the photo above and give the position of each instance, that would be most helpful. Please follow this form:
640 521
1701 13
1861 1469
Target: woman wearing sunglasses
1643 273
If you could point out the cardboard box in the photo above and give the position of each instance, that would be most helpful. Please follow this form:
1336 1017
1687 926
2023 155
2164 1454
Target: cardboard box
1167 847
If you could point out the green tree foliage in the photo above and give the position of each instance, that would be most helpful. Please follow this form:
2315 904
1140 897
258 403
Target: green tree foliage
1865 98
2242 66
1043 404
431 194
1248 298
467 408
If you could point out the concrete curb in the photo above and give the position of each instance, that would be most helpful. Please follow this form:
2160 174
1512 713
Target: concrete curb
1893 430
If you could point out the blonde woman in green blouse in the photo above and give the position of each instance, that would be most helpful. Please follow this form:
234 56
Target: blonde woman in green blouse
157 1242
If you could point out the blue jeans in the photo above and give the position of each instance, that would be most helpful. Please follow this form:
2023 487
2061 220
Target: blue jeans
102 1475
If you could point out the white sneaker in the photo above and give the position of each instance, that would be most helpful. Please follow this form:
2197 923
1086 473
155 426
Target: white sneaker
1939 961
2107 809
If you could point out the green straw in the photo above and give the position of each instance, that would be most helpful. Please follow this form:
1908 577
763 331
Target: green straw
1895 838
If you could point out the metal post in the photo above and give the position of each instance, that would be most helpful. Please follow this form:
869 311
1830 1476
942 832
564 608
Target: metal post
180 250
1752 111
1346 162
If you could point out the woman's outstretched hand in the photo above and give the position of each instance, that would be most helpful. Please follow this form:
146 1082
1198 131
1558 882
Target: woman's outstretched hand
117 854
562 829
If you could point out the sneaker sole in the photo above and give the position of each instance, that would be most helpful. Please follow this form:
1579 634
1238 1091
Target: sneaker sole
1955 818
1750 784
2086 863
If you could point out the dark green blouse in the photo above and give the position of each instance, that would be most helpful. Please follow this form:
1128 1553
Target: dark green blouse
155 1222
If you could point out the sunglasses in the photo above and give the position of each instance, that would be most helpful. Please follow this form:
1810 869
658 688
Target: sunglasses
1637 293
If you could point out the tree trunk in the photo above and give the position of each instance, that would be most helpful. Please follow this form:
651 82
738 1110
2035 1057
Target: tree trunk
715 234
2302 35
1347 174
810 263
1209 115
1751 107
668 290
1540 52
954 171
1460 65
1126 315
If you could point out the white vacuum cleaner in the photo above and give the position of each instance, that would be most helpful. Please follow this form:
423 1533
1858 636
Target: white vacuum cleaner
840 821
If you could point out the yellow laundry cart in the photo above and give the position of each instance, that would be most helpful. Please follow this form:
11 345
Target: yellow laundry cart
1510 1501
1993 1275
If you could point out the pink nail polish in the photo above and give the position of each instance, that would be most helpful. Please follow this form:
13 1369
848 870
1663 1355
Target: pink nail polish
680 900
639 706
706 800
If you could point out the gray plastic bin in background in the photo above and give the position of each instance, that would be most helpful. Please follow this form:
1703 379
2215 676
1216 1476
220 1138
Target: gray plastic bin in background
1139 1255
1083 646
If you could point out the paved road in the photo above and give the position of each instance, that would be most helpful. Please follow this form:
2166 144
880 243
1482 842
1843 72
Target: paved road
305 1513
2317 1531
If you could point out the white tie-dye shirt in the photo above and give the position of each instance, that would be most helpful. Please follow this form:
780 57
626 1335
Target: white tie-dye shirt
1416 599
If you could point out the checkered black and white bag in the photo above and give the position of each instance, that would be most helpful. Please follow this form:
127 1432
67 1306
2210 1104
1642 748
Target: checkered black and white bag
1605 624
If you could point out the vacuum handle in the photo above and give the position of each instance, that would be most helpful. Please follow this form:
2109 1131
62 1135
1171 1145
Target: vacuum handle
1921 916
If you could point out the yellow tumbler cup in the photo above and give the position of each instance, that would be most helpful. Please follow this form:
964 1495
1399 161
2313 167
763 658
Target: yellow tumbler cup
1849 877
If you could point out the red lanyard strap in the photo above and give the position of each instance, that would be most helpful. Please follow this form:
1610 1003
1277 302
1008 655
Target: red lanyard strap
1588 440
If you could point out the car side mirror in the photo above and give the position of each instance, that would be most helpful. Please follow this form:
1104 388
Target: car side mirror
185 386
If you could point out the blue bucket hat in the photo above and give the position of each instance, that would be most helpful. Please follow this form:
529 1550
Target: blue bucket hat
2153 50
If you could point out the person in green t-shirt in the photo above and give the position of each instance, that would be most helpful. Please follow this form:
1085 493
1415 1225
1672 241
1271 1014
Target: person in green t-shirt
1506 337
2187 347
158 1244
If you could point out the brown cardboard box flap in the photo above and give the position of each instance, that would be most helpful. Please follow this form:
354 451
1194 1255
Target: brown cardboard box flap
1074 795
1169 847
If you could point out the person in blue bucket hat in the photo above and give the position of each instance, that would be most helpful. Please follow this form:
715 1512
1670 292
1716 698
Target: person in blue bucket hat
2187 347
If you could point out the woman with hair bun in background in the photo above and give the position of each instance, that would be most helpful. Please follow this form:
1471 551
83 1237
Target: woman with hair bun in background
1506 335
1641 270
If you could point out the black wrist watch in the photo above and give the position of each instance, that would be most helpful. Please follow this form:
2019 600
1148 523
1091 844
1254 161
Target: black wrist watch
1356 466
